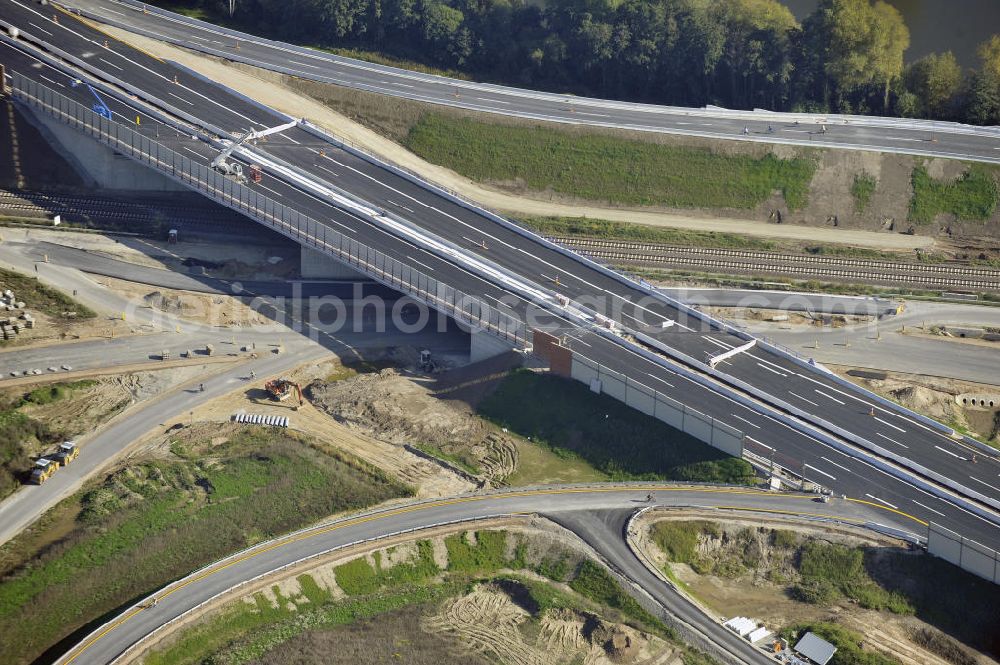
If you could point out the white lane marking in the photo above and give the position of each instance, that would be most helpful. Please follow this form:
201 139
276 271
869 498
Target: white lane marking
181 98
926 507
492 101
745 420
653 376
983 482
399 205
43 76
303 64
589 346
885 422
828 396
38 27
841 466
882 501
401 85
810 466
804 399
593 115
419 263
111 64
108 9
716 342
772 371
949 452
333 173
184 147
893 440
271 190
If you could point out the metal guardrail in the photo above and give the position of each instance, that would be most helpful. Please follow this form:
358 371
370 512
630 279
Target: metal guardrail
303 229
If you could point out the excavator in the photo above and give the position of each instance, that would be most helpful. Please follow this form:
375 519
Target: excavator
281 389
222 164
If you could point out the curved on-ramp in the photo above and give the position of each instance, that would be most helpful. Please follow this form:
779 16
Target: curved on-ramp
565 505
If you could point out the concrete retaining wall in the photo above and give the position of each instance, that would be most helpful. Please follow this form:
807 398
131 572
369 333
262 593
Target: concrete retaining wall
964 553
651 402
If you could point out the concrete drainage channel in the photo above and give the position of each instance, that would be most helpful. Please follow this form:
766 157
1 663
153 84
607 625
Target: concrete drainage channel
257 419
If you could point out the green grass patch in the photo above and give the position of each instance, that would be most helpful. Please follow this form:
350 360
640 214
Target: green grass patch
456 460
830 571
971 197
570 420
603 168
488 553
595 583
862 190
539 465
849 643
55 392
586 227
156 521
358 577
38 297
678 540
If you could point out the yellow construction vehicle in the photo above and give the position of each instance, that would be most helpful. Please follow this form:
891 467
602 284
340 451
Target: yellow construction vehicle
67 453
43 469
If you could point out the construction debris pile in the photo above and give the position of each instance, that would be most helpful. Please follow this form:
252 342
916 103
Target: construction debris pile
12 325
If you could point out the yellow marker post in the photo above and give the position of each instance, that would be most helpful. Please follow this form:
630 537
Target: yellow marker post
123 316
137 121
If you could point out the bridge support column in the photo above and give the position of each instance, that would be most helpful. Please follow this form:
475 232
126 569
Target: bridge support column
483 345
317 265
98 165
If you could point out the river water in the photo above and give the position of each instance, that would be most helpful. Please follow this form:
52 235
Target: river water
958 26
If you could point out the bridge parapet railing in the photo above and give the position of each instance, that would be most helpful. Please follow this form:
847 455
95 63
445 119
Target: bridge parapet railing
284 219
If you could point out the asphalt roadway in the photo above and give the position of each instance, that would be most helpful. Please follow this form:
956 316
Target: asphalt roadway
596 513
811 391
851 132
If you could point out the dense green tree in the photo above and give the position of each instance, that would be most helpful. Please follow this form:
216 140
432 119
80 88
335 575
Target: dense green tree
936 81
847 55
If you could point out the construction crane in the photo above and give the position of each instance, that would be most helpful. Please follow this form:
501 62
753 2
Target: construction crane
222 164
100 108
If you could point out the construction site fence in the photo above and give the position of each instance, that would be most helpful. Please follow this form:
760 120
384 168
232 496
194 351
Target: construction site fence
603 380
964 553
305 230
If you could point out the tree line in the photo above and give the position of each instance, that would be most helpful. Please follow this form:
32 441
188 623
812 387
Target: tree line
845 57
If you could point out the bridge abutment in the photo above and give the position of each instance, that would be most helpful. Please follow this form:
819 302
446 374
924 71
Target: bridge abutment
98 165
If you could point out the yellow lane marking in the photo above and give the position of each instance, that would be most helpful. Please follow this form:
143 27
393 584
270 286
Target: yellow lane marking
792 512
94 26
469 499
891 510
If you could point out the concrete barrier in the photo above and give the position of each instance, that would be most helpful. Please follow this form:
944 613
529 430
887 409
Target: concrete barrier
964 553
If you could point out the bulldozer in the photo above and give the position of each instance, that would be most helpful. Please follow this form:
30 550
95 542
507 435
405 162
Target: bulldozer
281 389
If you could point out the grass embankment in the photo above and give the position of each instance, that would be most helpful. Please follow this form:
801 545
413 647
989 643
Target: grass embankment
607 169
244 632
585 227
825 574
862 190
566 417
849 643
971 197
457 460
158 520
22 437
38 297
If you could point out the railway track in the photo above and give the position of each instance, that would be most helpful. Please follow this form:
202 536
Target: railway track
745 262
86 209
